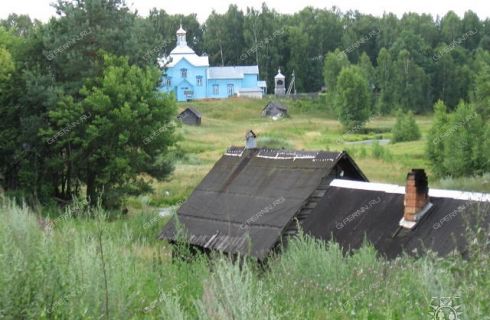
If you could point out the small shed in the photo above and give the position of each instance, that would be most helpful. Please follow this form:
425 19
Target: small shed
190 116
275 109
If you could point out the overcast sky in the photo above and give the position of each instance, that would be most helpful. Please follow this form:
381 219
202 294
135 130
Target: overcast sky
41 9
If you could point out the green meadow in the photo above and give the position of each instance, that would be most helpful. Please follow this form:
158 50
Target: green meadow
310 126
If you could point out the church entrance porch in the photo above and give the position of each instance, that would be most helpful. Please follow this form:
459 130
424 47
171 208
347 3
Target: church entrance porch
185 91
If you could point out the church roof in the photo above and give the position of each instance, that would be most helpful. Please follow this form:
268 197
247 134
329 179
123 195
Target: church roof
193 59
236 72
182 49
262 84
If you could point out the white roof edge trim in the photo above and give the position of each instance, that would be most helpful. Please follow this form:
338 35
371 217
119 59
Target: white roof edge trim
392 188
285 157
231 154
370 186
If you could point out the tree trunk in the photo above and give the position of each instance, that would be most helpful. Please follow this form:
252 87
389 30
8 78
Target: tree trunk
68 174
91 191
221 52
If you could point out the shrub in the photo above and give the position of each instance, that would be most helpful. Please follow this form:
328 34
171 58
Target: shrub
234 292
457 144
380 152
362 153
405 129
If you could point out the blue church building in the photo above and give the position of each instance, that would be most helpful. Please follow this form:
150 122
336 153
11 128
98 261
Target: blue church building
190 77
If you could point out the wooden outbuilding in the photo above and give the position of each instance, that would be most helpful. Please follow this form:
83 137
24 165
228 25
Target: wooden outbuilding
190 116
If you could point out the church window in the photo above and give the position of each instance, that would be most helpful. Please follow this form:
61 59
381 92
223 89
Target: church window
183 73
199 81
169 82
215 89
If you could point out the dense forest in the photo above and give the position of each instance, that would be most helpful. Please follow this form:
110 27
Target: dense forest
96 62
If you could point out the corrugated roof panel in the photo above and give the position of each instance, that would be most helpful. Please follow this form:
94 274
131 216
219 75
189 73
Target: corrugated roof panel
252 193
225 236
352 215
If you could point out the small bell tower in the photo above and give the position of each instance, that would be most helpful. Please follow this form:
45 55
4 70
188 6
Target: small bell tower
181 39
279 84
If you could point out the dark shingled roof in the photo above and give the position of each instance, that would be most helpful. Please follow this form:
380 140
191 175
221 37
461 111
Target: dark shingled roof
274 109
193 110
350 216
276 105
249 197
190 116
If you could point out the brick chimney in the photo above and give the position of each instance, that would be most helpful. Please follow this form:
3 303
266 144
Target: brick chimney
250 142
416 201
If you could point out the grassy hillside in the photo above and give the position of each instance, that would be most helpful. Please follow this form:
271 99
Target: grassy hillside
309 127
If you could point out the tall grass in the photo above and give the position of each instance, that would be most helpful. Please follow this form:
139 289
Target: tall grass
88 268
235 292
325 284
380 152
60 273
274 143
